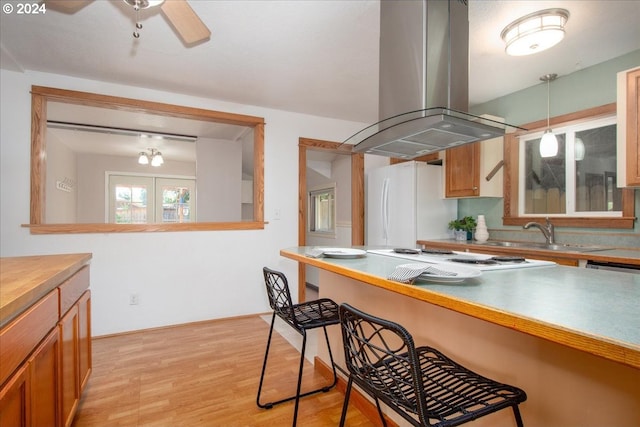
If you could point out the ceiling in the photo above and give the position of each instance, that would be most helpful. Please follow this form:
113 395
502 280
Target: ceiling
316 57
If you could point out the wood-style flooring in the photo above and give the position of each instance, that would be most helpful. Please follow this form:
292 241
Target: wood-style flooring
203 374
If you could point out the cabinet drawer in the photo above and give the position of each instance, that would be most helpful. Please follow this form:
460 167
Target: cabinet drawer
20 337
73 288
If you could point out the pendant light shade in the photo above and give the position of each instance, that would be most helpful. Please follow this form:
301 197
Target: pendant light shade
143 159
535 32
549 142
579 149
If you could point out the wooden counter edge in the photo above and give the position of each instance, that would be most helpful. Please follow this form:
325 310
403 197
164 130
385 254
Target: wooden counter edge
621 352
9 310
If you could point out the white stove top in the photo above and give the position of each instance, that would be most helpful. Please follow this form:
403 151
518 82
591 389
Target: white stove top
442 258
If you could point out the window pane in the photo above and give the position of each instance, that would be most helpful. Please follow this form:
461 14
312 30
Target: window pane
322 211
176 206
596 189
131 205
545 183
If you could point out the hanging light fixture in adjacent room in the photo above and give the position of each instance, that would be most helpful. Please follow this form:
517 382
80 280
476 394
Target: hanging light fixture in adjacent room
535 32
549 142
154 155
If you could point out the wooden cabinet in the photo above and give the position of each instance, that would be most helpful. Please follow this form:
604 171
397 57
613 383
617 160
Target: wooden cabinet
45 355
474 170
45 381
628 123
84 338
69 364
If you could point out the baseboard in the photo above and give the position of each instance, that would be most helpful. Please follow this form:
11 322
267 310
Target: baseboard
359 400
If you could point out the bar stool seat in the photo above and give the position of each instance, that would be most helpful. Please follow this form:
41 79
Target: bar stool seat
302 317
421 384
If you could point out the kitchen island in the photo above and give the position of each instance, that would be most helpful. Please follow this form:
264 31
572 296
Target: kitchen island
569 337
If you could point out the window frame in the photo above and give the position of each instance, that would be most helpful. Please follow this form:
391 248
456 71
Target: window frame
322 189
511 182
40 95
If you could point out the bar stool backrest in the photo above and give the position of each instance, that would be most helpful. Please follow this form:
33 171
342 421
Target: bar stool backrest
279 295
381 356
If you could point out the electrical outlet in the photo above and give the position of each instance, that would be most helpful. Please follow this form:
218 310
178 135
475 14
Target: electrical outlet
134 299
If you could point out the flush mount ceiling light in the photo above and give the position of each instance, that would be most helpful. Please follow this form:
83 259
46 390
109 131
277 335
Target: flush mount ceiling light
535 32
154 155
549 142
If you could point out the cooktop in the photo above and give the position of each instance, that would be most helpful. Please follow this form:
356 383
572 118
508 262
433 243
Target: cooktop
469 259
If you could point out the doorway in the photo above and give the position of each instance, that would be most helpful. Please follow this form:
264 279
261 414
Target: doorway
305 148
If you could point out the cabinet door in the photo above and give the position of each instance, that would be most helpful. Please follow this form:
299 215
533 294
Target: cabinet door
45 382
69 330
632 133
84 338
462 169
14 400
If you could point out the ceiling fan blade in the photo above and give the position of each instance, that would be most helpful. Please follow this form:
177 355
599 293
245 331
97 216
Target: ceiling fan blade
66 6
185 21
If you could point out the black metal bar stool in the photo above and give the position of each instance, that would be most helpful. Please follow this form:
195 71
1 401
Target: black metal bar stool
301 317
421 384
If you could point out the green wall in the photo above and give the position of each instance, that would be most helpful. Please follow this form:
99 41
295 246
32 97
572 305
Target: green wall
587 88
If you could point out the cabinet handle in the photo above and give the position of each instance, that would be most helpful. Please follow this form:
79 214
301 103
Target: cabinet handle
495 170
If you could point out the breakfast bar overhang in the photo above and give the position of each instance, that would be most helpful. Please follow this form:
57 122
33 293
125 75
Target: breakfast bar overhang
569 337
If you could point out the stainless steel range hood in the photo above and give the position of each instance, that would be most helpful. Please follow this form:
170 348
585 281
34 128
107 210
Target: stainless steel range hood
424 82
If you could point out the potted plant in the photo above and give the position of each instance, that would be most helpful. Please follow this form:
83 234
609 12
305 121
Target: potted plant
463 228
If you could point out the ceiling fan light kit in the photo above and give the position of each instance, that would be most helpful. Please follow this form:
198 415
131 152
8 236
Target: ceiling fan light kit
535 32
154 155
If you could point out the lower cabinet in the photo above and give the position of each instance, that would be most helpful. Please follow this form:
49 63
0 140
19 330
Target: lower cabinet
31 396
45 381
45 388
69 325
14 400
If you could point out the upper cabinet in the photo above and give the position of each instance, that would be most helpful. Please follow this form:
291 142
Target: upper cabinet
474 170
628 122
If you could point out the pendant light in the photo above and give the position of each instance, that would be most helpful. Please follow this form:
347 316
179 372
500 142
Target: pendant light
579 149
549 142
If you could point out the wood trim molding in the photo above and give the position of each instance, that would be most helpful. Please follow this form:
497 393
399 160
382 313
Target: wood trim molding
511 174
40 95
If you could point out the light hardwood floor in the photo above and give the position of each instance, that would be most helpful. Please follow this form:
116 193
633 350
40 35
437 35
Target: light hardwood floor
203 374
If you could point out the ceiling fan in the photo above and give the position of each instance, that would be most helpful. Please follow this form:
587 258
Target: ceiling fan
185 21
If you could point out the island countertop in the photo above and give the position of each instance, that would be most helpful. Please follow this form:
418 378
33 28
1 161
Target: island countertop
26 279
590 310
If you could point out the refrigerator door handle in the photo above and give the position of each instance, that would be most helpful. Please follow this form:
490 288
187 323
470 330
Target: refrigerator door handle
385 209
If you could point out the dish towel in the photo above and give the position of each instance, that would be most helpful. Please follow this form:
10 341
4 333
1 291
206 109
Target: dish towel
407 273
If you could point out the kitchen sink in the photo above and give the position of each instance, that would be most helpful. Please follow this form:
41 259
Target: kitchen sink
562 247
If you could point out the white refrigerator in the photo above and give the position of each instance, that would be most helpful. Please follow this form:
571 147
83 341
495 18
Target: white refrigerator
405 203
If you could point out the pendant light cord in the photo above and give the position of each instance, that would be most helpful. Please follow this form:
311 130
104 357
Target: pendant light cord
548 101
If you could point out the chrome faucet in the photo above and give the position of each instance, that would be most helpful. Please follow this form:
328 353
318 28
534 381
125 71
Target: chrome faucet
548 230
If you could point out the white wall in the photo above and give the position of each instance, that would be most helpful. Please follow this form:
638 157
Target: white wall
179 276
61 167
220 180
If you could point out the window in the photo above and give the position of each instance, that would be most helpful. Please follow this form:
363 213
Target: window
580 180
322 211
146 199
583 192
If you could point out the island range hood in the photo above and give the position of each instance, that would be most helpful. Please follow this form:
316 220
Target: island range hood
424 82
